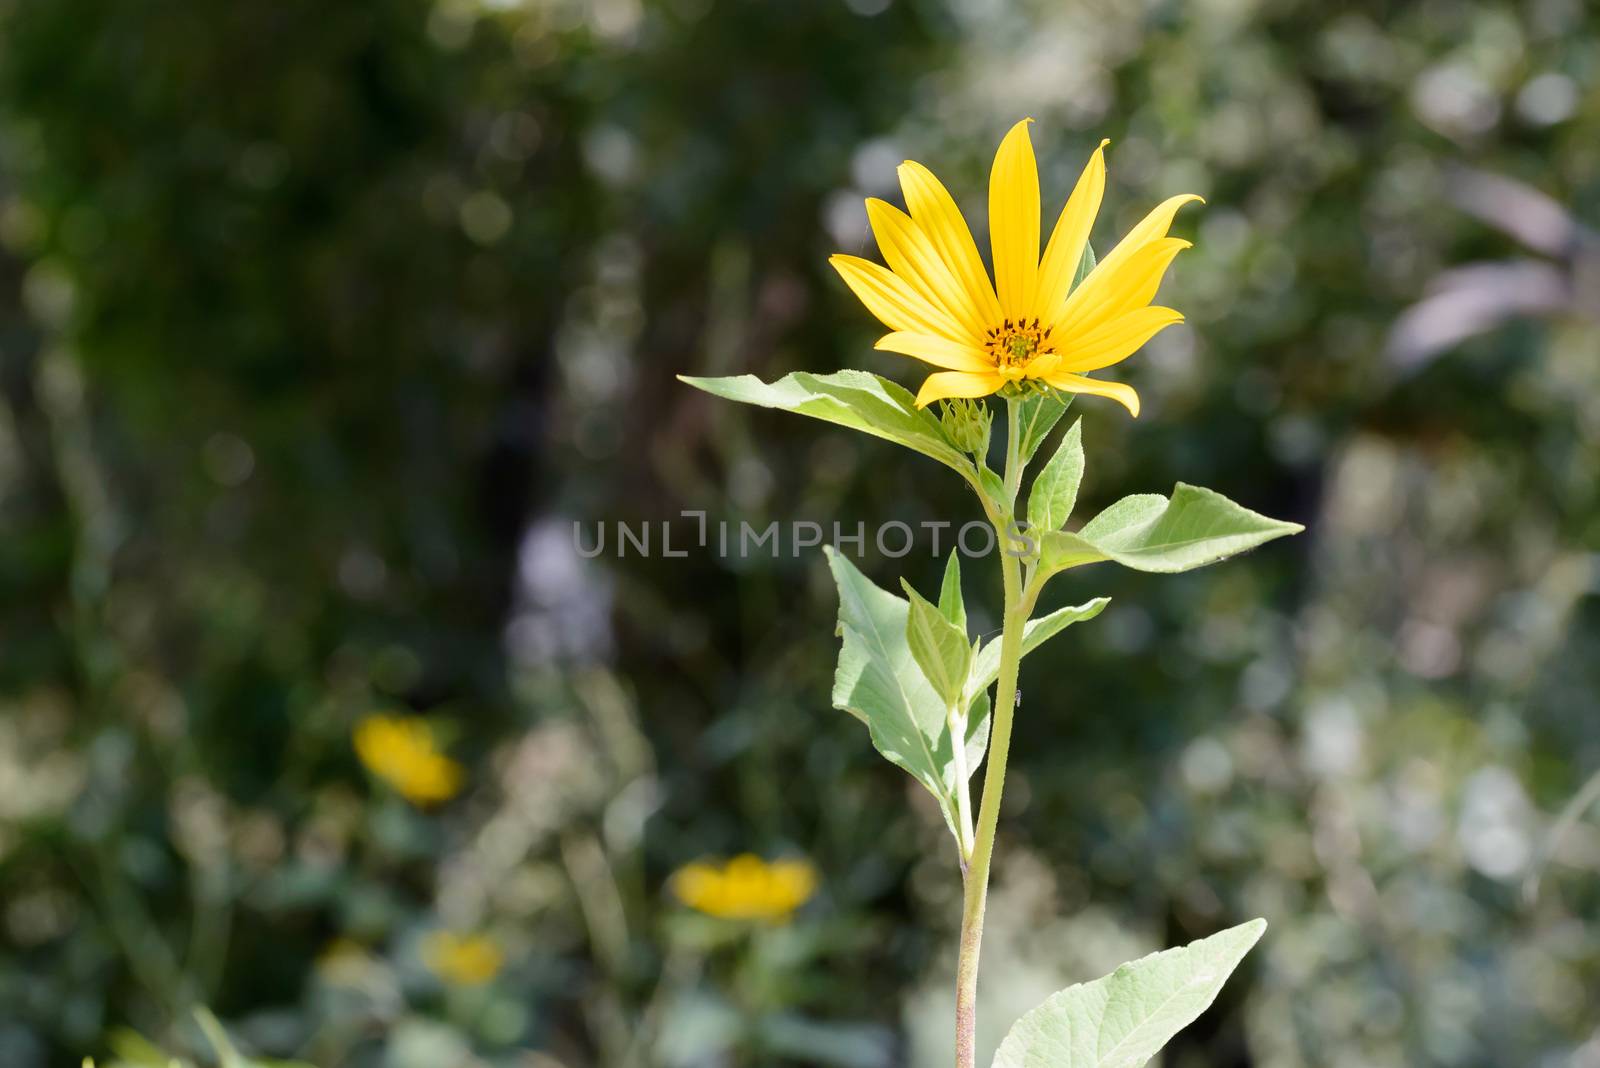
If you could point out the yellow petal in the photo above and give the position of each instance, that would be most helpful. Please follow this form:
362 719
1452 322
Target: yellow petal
1042 366
1152 227
1014 222
957 384
1131 283
1117 391
939 351
1156 224
1117 340
892 300
1064 250
912 256
935 211
1141 276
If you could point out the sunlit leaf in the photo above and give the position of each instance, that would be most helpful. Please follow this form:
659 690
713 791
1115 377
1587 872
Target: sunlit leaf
939 647
1148 532
986 666
1055 491
1037 415
879 682
1123 1019
951 602
856 399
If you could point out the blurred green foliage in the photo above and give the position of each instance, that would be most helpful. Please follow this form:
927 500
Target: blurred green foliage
321 324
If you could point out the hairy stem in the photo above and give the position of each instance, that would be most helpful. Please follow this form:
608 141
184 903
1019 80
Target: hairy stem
976 891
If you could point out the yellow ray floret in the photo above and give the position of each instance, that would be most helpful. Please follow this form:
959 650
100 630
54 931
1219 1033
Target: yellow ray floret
1030 323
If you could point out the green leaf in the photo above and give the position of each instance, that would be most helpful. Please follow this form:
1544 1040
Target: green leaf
986 665
938 646
879 682
1061 549
951 603
994 488
133 1050
1055 491
856 399
1037 415
1126 514
1123 1019
1148 532
1085 265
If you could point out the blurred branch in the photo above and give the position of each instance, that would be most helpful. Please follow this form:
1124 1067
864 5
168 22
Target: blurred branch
598 899
1473 299
1514 208
1581 802
1467 301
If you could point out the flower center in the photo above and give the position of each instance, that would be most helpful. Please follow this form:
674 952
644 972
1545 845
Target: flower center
1013 345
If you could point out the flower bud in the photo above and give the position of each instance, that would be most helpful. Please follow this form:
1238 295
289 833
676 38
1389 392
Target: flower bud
966 422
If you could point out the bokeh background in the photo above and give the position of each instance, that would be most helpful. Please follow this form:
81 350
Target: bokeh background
321 324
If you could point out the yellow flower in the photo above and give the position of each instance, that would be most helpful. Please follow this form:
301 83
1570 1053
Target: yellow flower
1031 325
401 751
462 960
746 888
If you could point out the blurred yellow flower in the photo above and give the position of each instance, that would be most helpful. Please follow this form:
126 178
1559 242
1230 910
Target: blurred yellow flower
1032 324
462 960
402 751
746 888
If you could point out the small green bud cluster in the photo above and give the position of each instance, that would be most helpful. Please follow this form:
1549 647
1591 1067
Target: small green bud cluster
1026 387
967 423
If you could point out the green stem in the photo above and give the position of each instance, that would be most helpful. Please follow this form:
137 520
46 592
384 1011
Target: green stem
957 721
1013 457
976 893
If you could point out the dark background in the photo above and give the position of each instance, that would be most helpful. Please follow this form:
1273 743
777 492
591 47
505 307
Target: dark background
320 325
